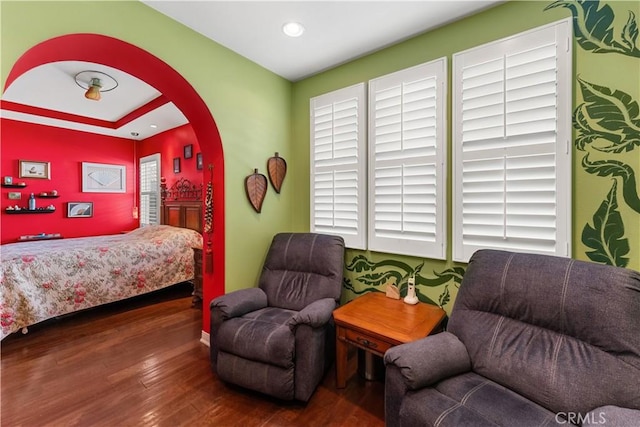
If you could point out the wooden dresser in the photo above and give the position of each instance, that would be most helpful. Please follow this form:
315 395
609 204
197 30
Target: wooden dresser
197 278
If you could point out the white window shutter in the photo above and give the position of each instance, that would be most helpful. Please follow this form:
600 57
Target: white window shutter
338 165
150 190
511 136
407 146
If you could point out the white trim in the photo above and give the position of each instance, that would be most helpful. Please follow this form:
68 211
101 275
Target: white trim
205 339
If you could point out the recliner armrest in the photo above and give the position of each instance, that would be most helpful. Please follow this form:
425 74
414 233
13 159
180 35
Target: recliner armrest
612 415
429 360
315 314
240 302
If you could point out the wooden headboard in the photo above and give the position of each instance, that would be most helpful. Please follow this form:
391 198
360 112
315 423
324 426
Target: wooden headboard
181 204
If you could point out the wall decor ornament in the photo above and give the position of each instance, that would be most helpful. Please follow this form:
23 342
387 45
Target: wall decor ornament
79 209
208 221
103 178
33 169
277 169
188 151
256 187
199 163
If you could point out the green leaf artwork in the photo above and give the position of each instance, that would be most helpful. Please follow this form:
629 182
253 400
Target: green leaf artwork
606 235
594 31
611 115
620 170
397 273
586 135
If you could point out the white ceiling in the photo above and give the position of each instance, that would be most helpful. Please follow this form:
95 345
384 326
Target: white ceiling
335 32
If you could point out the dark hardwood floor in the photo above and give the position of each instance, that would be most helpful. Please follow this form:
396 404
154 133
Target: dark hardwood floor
140 363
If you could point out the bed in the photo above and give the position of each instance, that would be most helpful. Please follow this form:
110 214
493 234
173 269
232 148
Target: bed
41 280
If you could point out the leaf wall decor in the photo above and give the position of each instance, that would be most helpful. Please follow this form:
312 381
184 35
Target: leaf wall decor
277 168
615 112
620 170
256 187
606 235
594 31
397 273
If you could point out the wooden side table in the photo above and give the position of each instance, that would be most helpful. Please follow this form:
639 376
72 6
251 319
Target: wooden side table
197 278
376 323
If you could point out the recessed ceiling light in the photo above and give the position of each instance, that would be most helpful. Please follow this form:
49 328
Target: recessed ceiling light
152 126
293 29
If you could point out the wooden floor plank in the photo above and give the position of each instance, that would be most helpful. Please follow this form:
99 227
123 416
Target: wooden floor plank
140 363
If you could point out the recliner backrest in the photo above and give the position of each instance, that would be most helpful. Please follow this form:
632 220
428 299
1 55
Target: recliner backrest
561 332
301 268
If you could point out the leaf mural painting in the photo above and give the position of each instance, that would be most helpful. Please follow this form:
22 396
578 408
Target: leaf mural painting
614 112
620 170
397 273
606 235
594 31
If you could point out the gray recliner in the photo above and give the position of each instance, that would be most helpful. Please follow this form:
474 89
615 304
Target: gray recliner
278 338
532 340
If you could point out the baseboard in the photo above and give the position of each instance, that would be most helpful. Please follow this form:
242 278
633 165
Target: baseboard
204 338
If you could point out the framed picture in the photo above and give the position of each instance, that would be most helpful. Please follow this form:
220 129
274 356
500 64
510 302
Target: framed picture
8 180
176 165
103 178
32 169
199 161
13 195
188 151
79 209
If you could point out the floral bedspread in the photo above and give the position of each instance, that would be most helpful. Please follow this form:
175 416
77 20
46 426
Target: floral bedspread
44 279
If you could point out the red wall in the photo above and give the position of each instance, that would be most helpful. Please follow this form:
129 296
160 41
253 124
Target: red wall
170 144
65 150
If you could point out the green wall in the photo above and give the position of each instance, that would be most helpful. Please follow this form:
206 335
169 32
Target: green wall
438 280
251 106
259 113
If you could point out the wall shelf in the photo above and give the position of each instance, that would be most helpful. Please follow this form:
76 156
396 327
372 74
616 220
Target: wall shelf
13 186
48 196
43 236
28 211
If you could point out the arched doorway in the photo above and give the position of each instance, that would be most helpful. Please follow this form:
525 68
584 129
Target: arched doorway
145 66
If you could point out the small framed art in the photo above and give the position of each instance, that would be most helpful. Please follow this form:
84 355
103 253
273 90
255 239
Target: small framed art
79 209
32 169
176 165
188 151
199 161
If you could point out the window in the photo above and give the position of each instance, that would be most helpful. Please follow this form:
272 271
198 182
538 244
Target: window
338 165
150 190
407 143
511 144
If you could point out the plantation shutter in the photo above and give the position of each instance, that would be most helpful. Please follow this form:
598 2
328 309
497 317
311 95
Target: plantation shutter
338 180
150 190
407 143
512 130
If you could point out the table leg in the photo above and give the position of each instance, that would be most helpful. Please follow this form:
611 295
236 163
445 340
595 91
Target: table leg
341 359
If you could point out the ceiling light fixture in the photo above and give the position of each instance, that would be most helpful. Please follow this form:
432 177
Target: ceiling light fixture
293 29
95 82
